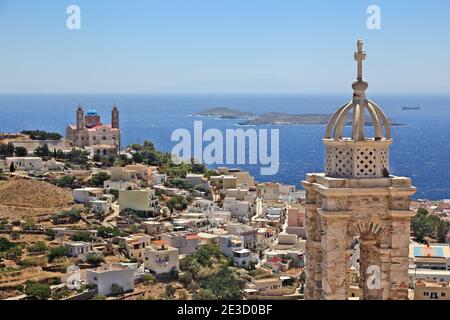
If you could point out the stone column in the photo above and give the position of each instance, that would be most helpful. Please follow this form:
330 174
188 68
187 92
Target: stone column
370 269
313 253
385 264
334 264
348 254
399 258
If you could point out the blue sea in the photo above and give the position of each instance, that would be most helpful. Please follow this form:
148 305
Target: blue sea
421 148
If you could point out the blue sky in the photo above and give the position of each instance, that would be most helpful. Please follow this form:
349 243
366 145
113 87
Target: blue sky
222 46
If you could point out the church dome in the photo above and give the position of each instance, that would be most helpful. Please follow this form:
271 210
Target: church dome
92 112
358 156
359 111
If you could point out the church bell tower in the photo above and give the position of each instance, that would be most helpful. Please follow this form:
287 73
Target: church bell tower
356 200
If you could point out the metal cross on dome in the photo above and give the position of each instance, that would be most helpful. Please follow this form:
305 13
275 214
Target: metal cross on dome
360 56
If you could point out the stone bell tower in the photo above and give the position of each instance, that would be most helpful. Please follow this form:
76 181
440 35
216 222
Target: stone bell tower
115 123
356 199
80 118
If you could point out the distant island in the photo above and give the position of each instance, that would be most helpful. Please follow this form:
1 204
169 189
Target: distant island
279 118
274 118
226 113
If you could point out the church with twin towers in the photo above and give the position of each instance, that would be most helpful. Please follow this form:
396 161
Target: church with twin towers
91 134
357 201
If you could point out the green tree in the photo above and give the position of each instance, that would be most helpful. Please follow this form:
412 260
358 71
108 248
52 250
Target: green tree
42 135
13 253
419 225
5 244
15 235
29 224
12 168
43 151
20 152
424 225
148 279
78 156
98 179
6 150
38 291
225 285
94 258
178 203
185 278
170 291
204 294
38 247
57 252
442 231
65 181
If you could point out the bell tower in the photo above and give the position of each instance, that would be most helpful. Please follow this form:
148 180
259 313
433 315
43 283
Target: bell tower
356 200
80 118
115 118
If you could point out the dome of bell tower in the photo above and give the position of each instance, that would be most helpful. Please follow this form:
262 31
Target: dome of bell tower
357 155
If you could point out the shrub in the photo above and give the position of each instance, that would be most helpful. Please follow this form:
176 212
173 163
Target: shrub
65 182
185 278
116 289
98 179
84 236
38 247
20 152
33 262
148 278
203 294
42 135
38 291
5 244
14 235
30 224
182 295
94 258
13 253
66 217
57 252
170 291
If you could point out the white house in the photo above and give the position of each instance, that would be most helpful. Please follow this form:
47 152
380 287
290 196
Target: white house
86 195
229 243
185 242
159 178
144 201
78 249
238 209
115 274
243 258
100 206
24 163
52 164
153 227
159 258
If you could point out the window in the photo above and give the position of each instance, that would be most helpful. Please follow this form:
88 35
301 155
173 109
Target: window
442 294
426 293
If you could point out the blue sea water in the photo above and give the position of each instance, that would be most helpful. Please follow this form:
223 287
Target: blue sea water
421 149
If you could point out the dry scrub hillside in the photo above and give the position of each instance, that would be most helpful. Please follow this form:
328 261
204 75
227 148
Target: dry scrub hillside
21 197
